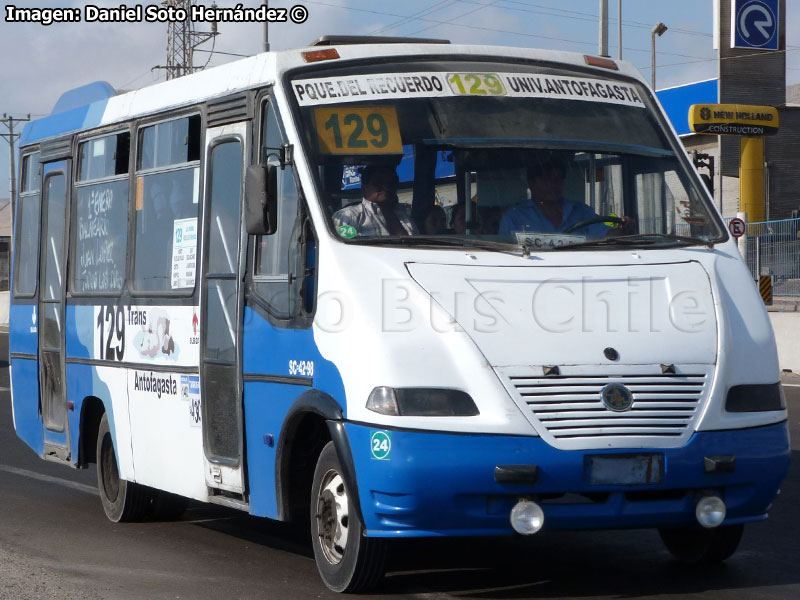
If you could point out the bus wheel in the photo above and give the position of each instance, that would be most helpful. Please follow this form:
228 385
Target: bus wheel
697 545
122 500
166 506
347 561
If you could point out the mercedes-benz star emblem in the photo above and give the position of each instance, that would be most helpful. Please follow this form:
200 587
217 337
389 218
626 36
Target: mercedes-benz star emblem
616 397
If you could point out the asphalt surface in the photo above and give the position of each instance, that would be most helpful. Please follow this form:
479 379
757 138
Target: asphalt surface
55 542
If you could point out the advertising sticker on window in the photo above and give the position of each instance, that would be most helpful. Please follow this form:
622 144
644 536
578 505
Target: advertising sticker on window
184 253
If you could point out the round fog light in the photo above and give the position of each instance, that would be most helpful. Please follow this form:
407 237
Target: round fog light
710 511
527 517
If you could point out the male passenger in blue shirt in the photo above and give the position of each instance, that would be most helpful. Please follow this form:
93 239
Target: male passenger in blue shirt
547 211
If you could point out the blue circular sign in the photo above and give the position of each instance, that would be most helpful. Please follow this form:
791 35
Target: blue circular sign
756 24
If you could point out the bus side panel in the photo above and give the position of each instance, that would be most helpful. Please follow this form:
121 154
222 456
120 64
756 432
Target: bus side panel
27 418
167 438
22 329
80 331
291 353
274 351
109 385
265 408
24 339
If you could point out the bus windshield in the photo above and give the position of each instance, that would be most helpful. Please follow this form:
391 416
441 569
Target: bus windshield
453 153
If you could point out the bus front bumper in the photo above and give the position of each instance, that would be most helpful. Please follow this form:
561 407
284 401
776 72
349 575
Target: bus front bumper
415 484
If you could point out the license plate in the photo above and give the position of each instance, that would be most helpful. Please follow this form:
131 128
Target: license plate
547 241
636 469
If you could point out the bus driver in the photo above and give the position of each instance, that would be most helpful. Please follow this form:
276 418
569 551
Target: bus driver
547 211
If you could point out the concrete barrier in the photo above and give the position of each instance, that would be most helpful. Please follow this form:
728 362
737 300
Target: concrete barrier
787 335
785 316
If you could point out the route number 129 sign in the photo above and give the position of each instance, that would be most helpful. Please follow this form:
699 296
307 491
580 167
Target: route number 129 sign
358 130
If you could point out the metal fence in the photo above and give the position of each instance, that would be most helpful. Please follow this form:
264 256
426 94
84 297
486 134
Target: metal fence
773 248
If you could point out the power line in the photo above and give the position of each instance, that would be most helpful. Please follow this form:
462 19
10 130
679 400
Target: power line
408 19
480 7
212 51
490 29
743 56
582 16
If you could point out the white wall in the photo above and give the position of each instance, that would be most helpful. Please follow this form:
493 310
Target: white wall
4 309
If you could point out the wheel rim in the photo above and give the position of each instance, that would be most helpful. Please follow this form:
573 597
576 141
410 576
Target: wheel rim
109 470
333 519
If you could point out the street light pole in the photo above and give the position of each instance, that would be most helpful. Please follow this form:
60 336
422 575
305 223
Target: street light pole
603 45
619 26
266 29
658 30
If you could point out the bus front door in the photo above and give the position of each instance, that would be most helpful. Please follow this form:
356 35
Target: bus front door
221 331
52 389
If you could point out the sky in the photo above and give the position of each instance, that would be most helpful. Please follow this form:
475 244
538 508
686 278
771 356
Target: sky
38 63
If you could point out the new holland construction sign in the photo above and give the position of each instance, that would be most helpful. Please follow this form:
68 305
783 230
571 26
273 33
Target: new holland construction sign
733 119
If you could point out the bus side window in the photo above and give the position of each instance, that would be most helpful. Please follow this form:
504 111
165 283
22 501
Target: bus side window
272 252
102 214
27 238
167 201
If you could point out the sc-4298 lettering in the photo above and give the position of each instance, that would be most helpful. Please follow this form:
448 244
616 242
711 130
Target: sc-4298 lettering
303 368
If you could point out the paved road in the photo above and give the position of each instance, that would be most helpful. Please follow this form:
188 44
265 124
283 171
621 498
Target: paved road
55 542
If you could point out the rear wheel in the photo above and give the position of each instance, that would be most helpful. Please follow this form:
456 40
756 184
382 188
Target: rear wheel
347 561
122 500
697 545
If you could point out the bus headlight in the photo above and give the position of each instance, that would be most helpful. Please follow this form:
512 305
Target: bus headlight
421 402
755 398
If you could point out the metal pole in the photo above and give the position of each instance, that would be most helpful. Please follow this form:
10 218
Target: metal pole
743 239
757 241
619 26
603 45
11 137
12 165
266 28
653 57
658 30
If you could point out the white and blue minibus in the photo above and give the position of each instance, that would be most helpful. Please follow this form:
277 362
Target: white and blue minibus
233 287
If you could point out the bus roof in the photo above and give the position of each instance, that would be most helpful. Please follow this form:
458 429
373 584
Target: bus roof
103 108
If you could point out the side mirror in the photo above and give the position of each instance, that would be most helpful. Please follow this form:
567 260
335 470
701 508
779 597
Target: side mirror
261 199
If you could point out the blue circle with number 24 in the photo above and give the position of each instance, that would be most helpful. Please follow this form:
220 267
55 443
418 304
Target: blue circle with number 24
381 445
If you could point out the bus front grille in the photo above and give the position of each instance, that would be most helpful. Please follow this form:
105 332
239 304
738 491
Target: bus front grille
569 407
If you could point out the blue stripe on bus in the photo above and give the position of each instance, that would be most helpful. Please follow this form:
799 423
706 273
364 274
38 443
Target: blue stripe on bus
269 350
430 484
82 382
28 421
85 117
265 408
79 332
22 328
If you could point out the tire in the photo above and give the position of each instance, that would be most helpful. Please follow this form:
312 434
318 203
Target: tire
695 545
123 501
165 506
347 561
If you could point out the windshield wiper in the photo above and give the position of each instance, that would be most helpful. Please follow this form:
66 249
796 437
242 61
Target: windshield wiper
638 239
668 236
435 240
